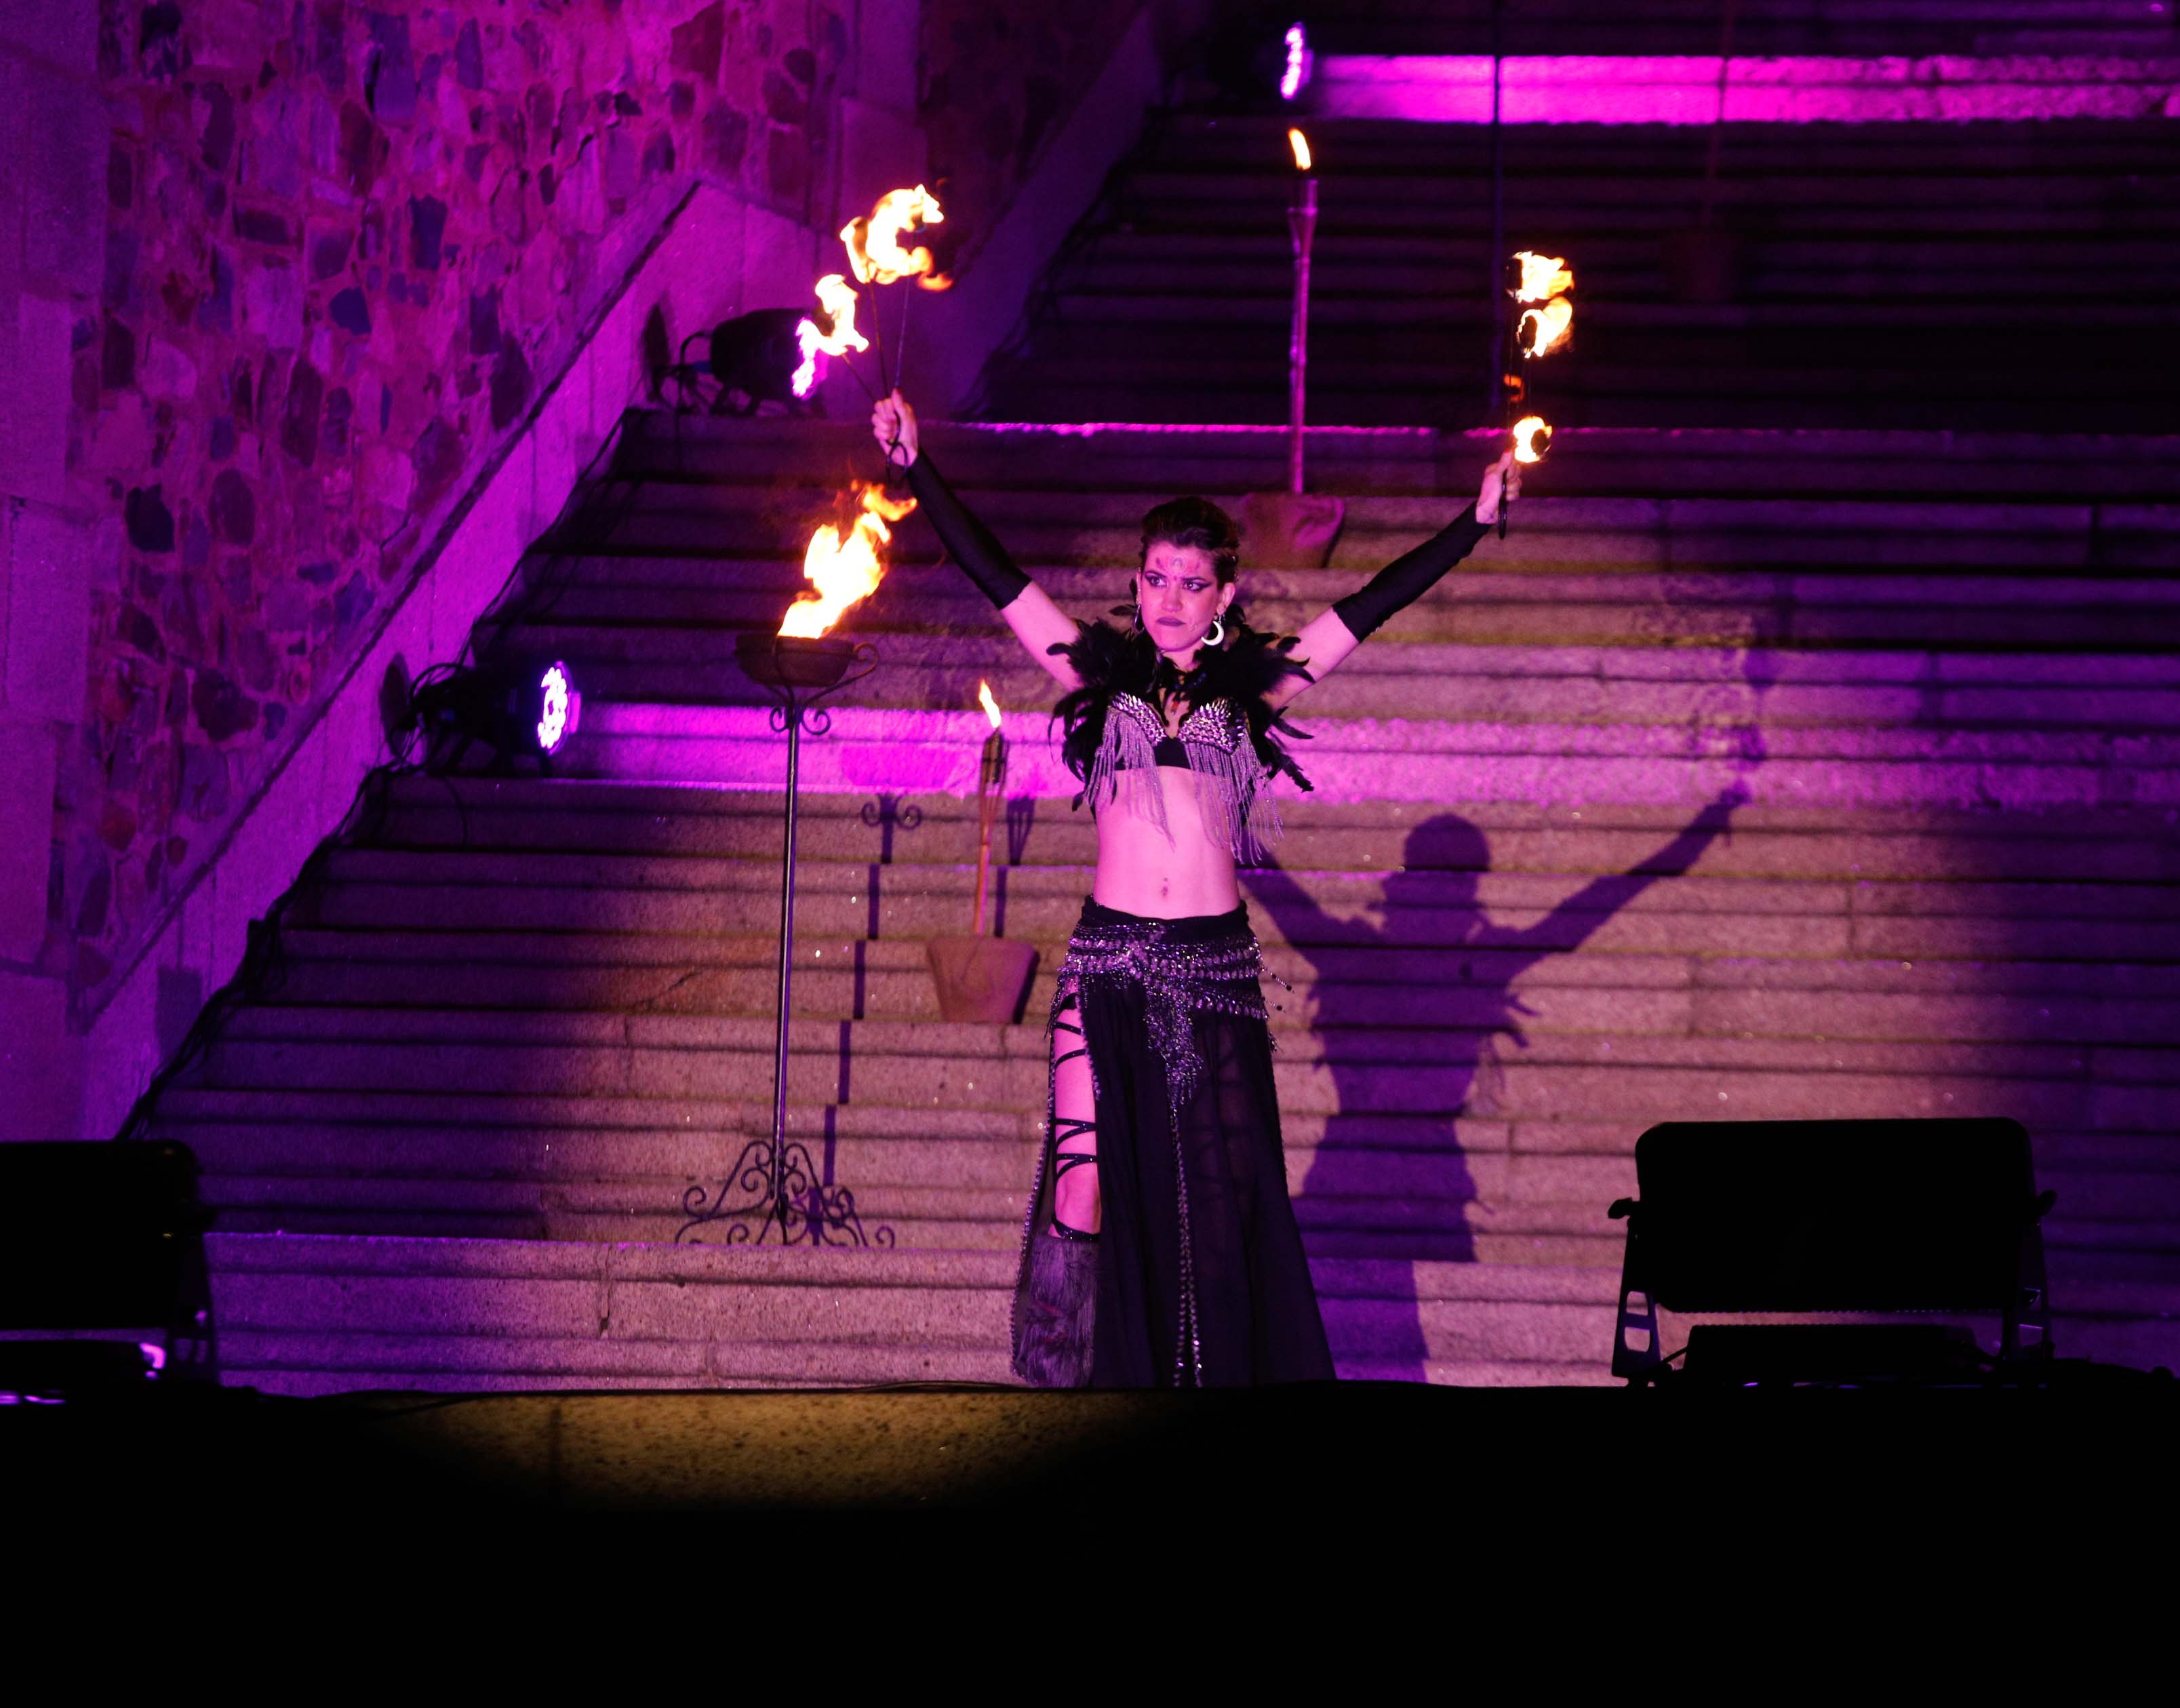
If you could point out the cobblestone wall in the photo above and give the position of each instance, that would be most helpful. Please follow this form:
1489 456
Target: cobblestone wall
342 242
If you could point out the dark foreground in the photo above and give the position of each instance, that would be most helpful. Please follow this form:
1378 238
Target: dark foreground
2100 1441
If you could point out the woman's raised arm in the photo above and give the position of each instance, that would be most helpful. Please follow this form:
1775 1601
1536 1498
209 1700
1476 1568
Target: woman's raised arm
1038 624
1330 636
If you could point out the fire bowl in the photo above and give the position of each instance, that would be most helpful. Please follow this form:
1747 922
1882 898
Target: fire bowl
788 661
980 978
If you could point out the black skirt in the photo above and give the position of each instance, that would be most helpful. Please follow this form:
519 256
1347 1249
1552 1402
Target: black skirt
1202 1281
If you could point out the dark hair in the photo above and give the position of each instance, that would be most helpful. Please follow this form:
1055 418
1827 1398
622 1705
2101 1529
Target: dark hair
1196 522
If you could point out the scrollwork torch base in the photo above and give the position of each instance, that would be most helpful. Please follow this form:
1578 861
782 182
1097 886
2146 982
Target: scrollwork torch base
778 1178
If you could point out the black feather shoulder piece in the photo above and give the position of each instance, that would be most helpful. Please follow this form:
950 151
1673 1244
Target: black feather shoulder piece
1242 672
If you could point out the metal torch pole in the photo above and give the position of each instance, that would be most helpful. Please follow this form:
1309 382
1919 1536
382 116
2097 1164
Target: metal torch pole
1496 261
786 972
1301 225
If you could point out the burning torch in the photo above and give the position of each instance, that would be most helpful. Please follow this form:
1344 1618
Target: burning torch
1301 227
991 787
981 978
1539 285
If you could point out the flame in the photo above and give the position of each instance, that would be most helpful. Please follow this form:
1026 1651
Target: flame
1532 437
875 250
1297 44
837 299
1300 144
1544 328
991 706
844 571
1542 275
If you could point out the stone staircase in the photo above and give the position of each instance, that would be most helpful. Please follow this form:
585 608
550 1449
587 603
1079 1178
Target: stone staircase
1808 748
523 1019
1962 276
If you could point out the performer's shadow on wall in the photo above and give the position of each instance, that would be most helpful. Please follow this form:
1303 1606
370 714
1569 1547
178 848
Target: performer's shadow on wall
1387 1182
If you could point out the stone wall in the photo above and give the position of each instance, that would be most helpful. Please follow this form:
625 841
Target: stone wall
341 243
278 279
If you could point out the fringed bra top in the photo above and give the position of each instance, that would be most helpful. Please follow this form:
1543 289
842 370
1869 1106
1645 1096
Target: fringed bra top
1116 738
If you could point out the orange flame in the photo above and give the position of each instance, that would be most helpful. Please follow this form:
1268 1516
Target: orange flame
991 706
844 571
875 250
1543 328
1300 144
1542 275
1532 437
837 298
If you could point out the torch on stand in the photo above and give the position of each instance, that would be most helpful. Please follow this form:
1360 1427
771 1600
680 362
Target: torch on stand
979 977
789 1188
1301 229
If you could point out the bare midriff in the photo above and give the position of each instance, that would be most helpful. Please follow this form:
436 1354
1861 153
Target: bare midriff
1140 870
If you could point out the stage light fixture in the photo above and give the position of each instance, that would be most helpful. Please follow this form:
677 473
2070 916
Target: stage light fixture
98 1243
758 358
519 711
559 708
1299 63
1261 59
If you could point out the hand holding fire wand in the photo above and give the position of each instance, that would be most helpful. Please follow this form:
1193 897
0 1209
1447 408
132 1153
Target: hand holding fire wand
1539 285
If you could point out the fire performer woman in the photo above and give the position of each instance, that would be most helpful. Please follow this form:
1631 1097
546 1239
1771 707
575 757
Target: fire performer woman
1160 1249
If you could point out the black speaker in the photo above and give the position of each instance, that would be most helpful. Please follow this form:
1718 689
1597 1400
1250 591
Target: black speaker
98 1236
1831 1215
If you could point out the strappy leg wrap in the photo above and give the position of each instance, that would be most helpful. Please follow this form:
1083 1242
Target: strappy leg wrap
1062 1295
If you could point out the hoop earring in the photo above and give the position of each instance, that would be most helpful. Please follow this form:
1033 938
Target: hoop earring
1217 635
1138 628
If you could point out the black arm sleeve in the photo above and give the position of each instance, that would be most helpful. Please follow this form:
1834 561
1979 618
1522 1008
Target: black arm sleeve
982 559
1409 576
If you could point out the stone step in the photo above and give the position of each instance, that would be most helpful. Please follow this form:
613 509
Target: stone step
1970 612
1834 548
1640 1079
2035 1003
1531 914
1623 397
1827 312
313 1315
660 639
795 460
517 814
1512 681
1622 276
535 1119
1791 381
1605 932
1349 1200
1442 763
1432 902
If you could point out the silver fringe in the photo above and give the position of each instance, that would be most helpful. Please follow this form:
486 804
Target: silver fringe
1126 767
1233 791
